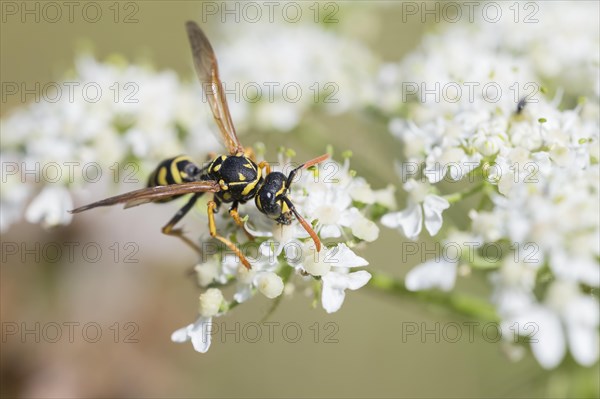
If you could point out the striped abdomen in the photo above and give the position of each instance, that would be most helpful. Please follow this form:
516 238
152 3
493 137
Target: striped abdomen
175 170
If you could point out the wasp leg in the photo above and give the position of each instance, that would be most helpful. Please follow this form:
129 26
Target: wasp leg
169 230
213 232
265 164
217 202
304 223
233 211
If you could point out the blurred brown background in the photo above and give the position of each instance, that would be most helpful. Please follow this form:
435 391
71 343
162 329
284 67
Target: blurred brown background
369 358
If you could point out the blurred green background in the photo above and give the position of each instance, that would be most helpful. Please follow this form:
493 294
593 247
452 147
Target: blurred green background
369 358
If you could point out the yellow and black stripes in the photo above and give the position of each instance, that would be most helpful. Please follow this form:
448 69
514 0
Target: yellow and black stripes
238 176
177 170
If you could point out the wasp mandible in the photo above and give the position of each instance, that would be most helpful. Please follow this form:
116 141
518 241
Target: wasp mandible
235 178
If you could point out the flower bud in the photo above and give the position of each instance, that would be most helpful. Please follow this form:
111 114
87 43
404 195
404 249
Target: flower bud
206 273
270 285
210 302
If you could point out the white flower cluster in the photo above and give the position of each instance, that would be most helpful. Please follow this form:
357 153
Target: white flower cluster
560 43
141 116
555 224
445 76
273 80
532 166
118 112
128 113
472 66
339 206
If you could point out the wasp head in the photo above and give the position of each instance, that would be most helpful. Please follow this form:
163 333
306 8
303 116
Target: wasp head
271 198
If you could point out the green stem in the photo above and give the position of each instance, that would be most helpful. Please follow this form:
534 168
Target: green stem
454 198
460 304
479 262
232 305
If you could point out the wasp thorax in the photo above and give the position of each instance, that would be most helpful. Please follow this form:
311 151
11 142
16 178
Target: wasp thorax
238 176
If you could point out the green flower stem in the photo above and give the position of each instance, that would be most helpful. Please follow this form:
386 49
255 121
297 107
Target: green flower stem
460 304
232 305
479 262
456 197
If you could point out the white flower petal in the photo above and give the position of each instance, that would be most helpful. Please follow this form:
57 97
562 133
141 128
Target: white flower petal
200 334
581 316
50 207
342 256
433 206
583 343
181 335
391 220
330 231
432 274
410 220
335 284
331 298
548 342
243 293
358 279
364 229
574 267
435 171
332 293
256 232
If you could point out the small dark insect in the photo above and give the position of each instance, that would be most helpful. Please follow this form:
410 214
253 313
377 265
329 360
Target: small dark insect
521 105
234 178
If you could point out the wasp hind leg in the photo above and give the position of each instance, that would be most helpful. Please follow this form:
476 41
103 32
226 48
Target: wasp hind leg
169 229
212 205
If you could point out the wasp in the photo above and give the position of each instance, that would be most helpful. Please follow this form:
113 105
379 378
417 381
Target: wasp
234 178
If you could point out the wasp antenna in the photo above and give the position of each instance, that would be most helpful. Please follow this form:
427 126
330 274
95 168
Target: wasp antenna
304 224
315 161
305 165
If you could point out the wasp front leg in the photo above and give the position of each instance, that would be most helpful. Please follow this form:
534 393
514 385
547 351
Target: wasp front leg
212 206
233 212
266 166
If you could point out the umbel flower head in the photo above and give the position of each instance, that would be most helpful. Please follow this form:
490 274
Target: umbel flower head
156 117
283 257
159 120
529 167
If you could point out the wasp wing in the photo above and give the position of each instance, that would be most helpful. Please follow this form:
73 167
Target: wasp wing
151 194
208 73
